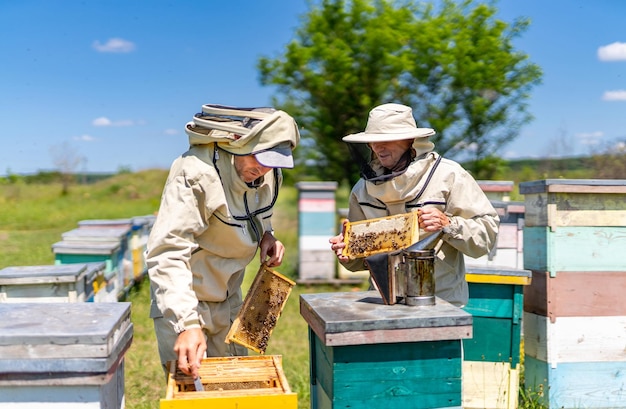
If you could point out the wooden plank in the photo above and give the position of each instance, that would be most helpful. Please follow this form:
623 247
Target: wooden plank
576 385
360 314
62 328
491 300
315 243
85 391
500 258
573 186
377 376
490 385
318 224
494 341
576 294
495 185
507 236
574 249
536 294
575 209
496 279
575 339
317 270
314 256
591 218
317 205
317 189
80 247
289 401
398 335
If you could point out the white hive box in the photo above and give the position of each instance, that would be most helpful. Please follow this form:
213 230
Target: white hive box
49 283
63 355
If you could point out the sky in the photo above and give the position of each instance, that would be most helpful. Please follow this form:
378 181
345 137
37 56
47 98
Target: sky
114 82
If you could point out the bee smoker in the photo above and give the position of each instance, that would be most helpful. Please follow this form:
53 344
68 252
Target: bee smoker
417 277
407 276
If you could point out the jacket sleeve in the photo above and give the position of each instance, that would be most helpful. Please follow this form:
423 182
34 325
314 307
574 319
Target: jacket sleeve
170 246
474 222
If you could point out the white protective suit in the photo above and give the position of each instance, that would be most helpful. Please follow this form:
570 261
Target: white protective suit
208 229
473 220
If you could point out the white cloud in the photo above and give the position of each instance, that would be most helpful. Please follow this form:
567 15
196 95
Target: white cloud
617 95
85 138
104 121
590 138
612 52
171 131
114 45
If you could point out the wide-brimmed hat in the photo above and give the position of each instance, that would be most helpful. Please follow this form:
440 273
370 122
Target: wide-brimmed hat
390 122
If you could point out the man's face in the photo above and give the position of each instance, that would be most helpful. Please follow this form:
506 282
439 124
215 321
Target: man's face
249 169
389 153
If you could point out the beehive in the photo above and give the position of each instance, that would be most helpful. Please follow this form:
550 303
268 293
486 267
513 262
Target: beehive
245 382
365 354
574 308
261 309
381 235
66 355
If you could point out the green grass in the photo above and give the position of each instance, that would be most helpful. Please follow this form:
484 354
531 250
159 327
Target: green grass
33 217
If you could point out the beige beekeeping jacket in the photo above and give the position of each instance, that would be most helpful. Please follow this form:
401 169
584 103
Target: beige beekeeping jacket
210 222
473 220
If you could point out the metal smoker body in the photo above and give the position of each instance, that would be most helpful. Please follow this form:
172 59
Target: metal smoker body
416 275
407 276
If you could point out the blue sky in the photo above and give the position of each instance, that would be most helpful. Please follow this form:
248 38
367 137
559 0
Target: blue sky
116 81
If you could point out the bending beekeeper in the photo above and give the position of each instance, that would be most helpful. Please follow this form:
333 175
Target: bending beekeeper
215 213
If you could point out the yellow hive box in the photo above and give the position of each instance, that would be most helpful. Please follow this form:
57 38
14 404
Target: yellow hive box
381 235
244 382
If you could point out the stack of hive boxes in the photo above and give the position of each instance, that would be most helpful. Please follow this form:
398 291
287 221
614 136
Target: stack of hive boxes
575 309
508 252
316 224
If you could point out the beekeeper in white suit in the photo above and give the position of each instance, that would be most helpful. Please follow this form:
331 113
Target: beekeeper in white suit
401 173
215 212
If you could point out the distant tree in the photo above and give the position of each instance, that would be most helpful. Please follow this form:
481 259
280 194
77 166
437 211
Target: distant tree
66 160
455 65
611 164
12 177
124 170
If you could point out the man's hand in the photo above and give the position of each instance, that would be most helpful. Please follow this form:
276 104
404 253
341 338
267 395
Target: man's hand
337 245
272 248
432 219
190 347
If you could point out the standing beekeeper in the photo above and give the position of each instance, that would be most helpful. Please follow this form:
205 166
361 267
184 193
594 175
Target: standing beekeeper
216 211
401 173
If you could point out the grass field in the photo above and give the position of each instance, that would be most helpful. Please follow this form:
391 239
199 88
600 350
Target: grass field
33 217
